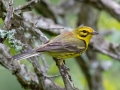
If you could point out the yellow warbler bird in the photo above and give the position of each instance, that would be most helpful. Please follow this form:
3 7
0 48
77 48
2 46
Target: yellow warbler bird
66 45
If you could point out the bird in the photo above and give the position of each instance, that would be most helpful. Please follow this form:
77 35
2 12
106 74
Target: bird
66 45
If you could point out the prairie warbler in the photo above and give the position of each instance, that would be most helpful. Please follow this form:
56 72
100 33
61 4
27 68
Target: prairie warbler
66 45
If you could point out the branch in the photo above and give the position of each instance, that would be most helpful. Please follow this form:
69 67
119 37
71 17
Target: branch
48 10
2 9
105 47
9 15
112 7
27 24
38 81
24 76
21 72
27 5
65 75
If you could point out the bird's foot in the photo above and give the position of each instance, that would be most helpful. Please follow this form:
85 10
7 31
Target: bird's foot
62 67
64 70
67 68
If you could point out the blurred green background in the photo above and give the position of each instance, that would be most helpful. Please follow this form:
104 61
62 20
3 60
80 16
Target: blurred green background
111 78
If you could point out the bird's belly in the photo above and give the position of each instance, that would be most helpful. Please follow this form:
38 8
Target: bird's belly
64 55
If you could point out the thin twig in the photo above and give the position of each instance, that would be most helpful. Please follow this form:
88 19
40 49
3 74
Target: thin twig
10 10
44 63
30 3
54 76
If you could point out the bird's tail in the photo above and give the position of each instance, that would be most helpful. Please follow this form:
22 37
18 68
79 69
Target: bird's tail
25 55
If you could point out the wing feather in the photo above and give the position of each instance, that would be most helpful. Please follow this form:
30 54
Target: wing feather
62 47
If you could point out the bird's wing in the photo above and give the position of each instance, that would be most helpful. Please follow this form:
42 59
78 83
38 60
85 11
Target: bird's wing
65 46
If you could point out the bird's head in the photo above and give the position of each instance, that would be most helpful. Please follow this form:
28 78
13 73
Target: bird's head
85 33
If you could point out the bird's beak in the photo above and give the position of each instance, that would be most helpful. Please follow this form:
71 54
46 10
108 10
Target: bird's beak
94 33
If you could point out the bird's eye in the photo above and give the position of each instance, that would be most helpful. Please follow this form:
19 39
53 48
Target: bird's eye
84 31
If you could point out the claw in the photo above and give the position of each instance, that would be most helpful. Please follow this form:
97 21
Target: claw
65 70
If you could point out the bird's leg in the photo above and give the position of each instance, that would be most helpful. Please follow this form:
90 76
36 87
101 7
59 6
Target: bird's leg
64 62
63 69
67 68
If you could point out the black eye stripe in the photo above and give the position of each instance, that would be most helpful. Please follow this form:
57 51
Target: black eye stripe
84 31
84 35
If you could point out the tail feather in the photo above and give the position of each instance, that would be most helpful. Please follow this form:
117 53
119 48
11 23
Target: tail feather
25 55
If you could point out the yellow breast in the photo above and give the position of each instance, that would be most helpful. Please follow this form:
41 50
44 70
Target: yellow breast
64 55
